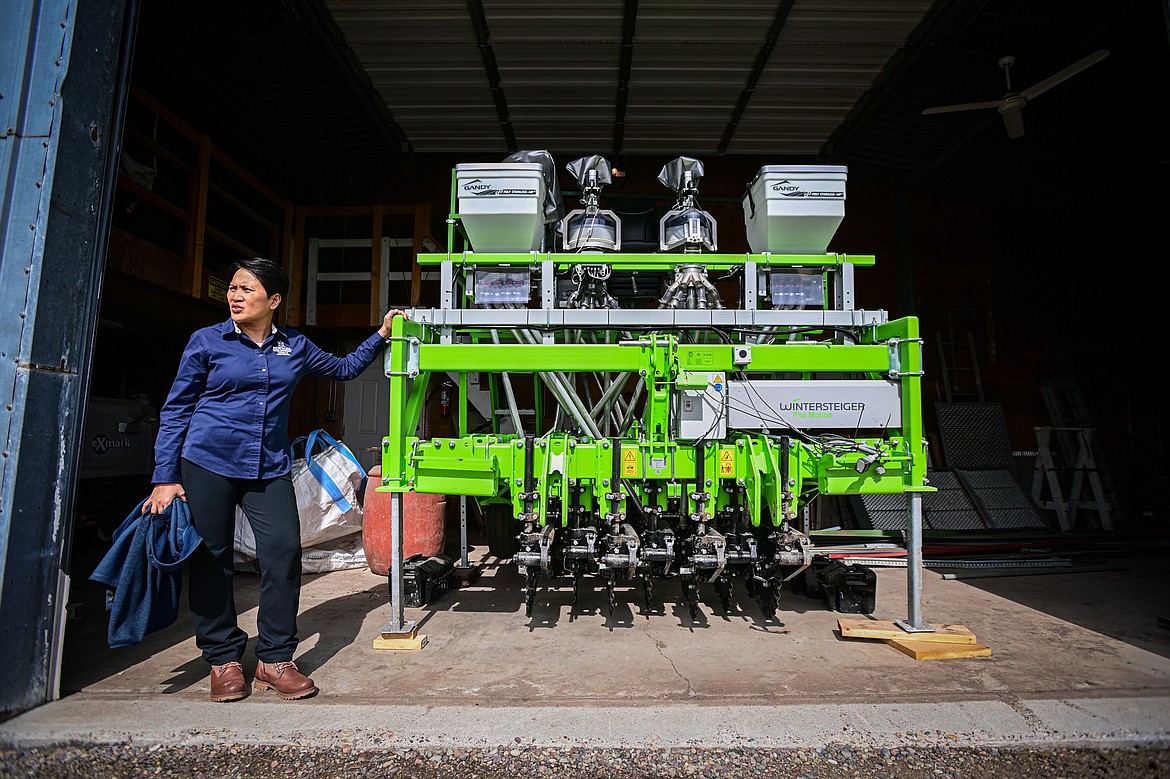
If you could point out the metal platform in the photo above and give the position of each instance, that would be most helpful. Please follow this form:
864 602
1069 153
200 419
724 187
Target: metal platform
974 435
976 447
950 508
1000 499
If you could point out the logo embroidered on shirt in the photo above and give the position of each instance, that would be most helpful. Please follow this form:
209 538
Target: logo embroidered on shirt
282 348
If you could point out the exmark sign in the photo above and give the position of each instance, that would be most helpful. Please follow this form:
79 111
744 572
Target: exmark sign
813 405
102 443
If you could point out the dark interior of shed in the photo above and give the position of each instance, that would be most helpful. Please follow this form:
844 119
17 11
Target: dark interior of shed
1021 298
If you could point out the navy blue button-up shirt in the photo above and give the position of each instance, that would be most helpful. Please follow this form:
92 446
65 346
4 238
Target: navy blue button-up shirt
228 408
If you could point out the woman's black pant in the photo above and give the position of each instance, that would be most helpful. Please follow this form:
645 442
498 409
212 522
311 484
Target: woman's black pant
271 508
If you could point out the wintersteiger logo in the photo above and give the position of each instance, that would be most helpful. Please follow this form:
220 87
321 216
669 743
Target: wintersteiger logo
819 409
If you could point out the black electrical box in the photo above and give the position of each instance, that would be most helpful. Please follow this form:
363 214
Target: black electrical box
424 578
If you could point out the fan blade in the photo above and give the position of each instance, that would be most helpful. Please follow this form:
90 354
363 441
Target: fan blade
946 109
1067 73
1013 120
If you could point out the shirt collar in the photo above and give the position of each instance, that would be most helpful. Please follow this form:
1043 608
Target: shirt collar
241 332
229 327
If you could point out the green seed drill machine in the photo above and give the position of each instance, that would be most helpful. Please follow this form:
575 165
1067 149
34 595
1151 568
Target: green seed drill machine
688 404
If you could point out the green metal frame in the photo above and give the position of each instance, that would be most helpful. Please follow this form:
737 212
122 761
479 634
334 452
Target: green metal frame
727 501
490 465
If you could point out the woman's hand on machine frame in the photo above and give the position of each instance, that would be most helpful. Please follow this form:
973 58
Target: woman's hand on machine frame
161 497
388 320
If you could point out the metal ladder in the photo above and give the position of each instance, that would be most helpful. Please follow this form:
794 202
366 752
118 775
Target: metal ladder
1068 412
1081 473
960 365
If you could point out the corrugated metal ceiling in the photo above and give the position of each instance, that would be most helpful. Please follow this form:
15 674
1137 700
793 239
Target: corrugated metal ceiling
651 77
322 90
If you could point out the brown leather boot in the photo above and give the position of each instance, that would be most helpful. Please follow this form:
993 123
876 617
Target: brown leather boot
285 679
228 683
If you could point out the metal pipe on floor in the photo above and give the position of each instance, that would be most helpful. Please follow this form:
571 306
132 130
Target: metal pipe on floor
988 574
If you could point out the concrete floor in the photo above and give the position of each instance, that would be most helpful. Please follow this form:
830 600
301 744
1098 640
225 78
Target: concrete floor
1076 658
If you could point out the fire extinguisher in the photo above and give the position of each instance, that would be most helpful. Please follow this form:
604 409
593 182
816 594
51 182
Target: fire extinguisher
445 400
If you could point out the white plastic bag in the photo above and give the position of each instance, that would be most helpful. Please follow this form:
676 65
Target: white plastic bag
340 554
328 484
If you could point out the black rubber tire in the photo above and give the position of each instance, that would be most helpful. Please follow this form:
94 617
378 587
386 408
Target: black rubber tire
502 530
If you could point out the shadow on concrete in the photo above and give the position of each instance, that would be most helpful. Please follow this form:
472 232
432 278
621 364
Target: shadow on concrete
1125 604
87 657
336 622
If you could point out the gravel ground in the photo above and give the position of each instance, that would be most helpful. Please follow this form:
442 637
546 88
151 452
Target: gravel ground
516 762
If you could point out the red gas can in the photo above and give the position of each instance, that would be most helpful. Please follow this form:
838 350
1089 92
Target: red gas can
424 528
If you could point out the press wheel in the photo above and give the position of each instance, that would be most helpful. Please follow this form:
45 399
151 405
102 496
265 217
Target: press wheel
502 531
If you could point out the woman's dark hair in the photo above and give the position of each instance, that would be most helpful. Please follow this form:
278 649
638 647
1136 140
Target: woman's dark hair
271 275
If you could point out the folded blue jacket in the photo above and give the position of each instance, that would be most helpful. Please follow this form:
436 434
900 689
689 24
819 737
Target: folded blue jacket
144 571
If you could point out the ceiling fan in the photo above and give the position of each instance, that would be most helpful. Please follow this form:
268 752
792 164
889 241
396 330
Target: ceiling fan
1012 103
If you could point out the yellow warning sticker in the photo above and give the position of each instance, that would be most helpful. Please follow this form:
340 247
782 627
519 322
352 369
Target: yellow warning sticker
726 463
217 289
629 463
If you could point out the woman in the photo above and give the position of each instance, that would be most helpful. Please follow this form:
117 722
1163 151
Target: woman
223 442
